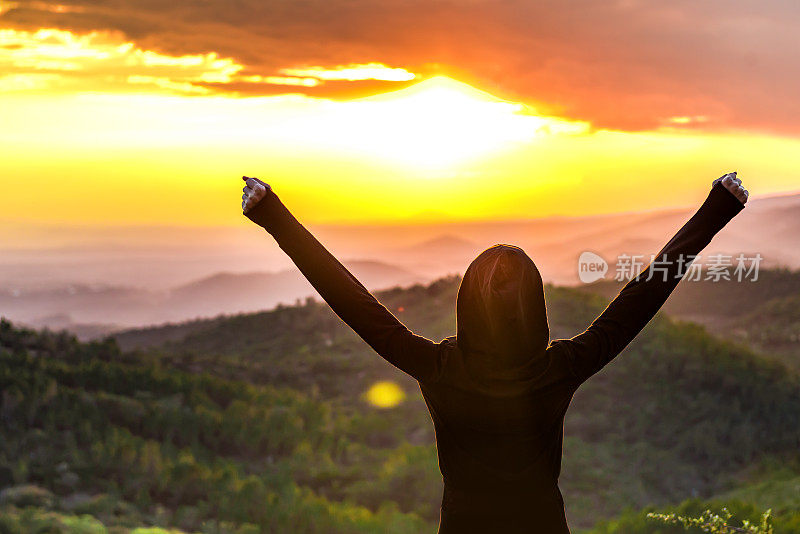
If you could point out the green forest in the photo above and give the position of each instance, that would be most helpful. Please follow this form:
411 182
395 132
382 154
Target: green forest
263 422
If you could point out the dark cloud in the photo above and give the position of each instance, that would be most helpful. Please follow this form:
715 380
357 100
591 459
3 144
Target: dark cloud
625 64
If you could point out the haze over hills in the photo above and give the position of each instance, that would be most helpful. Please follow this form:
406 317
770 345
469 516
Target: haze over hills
93 310
127 276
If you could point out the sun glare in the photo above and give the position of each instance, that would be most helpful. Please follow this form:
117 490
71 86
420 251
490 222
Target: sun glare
435 123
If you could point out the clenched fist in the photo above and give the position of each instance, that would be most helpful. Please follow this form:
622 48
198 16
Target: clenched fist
734 185
253 192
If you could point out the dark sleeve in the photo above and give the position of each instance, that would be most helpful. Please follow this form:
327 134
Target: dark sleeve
416 355
644 294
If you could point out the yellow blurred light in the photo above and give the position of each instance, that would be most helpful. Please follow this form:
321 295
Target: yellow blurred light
385 394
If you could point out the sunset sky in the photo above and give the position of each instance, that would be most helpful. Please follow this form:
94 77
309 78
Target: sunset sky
143 112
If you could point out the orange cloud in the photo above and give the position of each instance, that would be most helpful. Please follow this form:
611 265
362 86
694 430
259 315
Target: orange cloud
621 64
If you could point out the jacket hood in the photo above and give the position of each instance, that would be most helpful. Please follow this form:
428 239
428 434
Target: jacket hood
500 313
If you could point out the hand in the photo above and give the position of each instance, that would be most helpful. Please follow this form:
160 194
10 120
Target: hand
734 185
253 192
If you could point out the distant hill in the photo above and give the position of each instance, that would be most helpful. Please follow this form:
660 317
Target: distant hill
95 310
769 226
772 328
444 244
159 259
764 314
438 255
237 292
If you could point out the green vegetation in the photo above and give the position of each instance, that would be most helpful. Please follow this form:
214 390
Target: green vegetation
720 298
714 523
696 516
259 423
133 443
764 314
773 328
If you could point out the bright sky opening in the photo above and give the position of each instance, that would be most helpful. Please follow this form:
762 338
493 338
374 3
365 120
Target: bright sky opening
96 129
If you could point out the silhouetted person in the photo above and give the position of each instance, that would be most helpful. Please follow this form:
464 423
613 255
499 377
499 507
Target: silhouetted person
498 390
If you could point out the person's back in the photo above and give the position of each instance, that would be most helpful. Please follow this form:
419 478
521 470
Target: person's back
500 457
498 403
498 390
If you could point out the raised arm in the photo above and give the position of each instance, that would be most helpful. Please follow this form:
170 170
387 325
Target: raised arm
416 355
644 294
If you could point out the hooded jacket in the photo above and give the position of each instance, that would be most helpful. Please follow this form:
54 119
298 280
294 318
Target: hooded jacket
498 390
